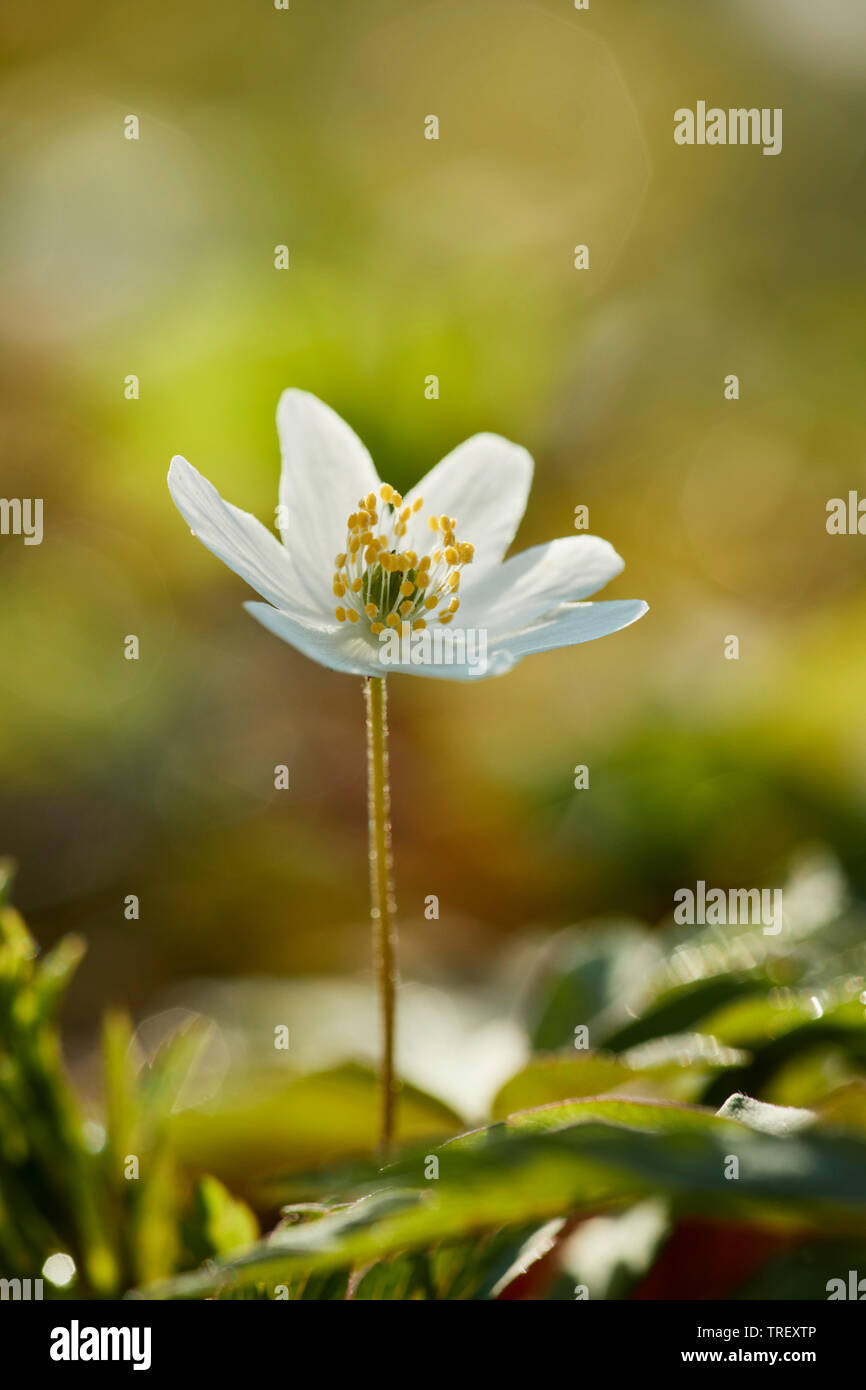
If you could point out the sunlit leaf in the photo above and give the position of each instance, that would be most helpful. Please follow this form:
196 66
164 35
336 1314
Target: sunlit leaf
543 1164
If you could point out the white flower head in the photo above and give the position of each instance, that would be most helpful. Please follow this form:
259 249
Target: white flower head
362 569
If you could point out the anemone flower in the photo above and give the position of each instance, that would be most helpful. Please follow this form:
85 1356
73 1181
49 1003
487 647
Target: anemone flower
366 581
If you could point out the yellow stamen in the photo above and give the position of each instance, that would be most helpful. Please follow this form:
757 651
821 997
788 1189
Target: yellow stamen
363 571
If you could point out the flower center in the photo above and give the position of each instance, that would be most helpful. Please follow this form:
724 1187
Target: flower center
378 581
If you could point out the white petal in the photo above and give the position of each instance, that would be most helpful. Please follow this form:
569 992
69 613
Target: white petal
339 647
484 484
346 649
496 664
571 624
568 625
236 538
326 469
516 593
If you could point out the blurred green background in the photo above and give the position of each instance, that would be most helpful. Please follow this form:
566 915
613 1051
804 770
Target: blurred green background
408 258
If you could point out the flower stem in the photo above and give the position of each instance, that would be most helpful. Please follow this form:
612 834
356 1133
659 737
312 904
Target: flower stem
382 903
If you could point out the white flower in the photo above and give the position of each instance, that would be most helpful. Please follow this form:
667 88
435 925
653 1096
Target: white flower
358 563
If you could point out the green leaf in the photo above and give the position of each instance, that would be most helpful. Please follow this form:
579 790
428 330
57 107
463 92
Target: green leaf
676 1067
559 1161
301 1122
216 1223
587 979
845 1108
554 1078
762 1018
808 1272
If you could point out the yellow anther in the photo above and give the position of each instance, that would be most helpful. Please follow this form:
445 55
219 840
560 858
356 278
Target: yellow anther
369 560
